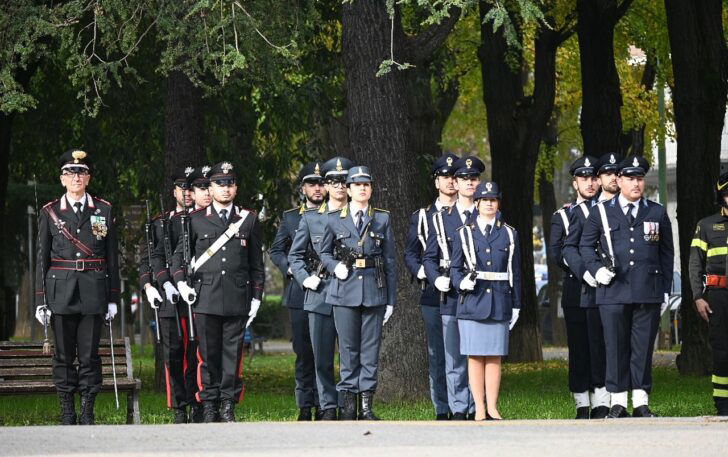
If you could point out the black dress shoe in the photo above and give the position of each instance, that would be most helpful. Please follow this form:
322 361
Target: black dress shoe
582 412
600 412
471 416
643 411
459 417
196 413
227 411
209 412
366 409
328 414
304 415
617 411
68 408
442 417
180 416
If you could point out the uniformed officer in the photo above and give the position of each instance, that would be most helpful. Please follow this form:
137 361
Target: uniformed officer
227 277
420 226
486 268
437 268
77 277
305 263
311 181
358 249
636 270
599 398
708 255
584 183
200 182
179 353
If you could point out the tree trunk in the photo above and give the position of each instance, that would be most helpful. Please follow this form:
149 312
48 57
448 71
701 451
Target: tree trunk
516 125
700 68
7 307
601 119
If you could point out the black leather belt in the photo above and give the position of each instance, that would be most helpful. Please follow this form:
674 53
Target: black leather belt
79 265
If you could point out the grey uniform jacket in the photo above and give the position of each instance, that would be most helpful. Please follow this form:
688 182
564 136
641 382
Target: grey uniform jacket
360 287
293 293
93 268
307 246
234 275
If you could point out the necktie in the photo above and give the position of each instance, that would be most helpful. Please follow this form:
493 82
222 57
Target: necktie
359 220
487 229
223 216
630 218
467 215
78 205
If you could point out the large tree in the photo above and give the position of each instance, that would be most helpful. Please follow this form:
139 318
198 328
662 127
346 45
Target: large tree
700 68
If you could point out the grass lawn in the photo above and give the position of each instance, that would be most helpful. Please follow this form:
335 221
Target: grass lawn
528 391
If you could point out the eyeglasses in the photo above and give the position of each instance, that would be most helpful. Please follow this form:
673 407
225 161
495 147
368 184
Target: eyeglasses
336 183
75 171
224 182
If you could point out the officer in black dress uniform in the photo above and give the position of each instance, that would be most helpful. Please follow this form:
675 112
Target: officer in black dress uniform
627 247
77 275
227 278
312 187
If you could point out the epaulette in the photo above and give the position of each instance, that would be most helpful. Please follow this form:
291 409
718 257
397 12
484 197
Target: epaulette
251 211
196 211
381 210
50 203
499 223
101 200
567 205
323 209
297 208
176 214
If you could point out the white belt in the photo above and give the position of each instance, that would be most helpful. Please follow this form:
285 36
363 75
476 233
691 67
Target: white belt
444 263
491 276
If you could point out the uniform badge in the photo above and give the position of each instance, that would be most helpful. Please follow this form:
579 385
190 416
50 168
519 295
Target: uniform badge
612 160
98 227
226 167
635 162
188 171
587 163
449 161
719 227
489 186
78 156
339 167
205 170
469 163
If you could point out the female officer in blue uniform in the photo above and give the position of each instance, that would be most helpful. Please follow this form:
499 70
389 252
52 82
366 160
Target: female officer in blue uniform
486 268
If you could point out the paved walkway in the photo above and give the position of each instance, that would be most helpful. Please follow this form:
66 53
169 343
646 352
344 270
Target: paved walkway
690 437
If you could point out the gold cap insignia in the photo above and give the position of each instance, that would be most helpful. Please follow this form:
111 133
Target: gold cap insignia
226 167
78 156
188 171
205 170
339 167
469 163
317 170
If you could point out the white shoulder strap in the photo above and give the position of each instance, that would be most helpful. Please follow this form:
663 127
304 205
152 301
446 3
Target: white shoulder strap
466 237
607 230
565 219
220 241
584 209
422 227
441 236
511 248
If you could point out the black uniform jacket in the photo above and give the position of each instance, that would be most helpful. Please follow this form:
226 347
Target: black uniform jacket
92 268
234 275
708 251
293 295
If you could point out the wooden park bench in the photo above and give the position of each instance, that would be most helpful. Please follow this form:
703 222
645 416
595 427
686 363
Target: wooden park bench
24 369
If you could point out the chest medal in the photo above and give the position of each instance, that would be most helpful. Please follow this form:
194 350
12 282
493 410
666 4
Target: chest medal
98 227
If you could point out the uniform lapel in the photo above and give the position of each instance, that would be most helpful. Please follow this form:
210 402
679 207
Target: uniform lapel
64 211
348 222
642 212
86 212
616 208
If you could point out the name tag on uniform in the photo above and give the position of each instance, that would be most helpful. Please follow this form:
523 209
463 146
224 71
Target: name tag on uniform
652 231
719 227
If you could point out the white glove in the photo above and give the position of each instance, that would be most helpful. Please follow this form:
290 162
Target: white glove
111 312
289 272
134 307
514 318
153 297
388 313
41 312
604 276
254 307
171 293
665 304
421 273
589 279
467 284
442 283
312 282
188 293
341 271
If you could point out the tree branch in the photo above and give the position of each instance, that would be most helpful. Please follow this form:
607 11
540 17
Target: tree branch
622 10
421 47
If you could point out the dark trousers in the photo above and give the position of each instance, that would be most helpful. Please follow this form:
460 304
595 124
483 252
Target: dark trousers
77 337
323 340
306 393
718 335
629 335
577 338
360 338
180 362
220 357
436 358
597 348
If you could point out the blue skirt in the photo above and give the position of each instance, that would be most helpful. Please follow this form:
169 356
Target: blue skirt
483 337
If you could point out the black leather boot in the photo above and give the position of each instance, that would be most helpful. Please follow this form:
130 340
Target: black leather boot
209 412
227 411
347 412
366 412
328 414
68 408
180 416
196 413
87 409
304 414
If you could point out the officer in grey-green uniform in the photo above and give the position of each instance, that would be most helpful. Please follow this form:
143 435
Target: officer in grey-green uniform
307 268
358 250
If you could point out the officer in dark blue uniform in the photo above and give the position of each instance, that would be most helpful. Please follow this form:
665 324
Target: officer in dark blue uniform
312 187
599 398
199 181
437 268
585 184
635 236
358 250
415 245
305 263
